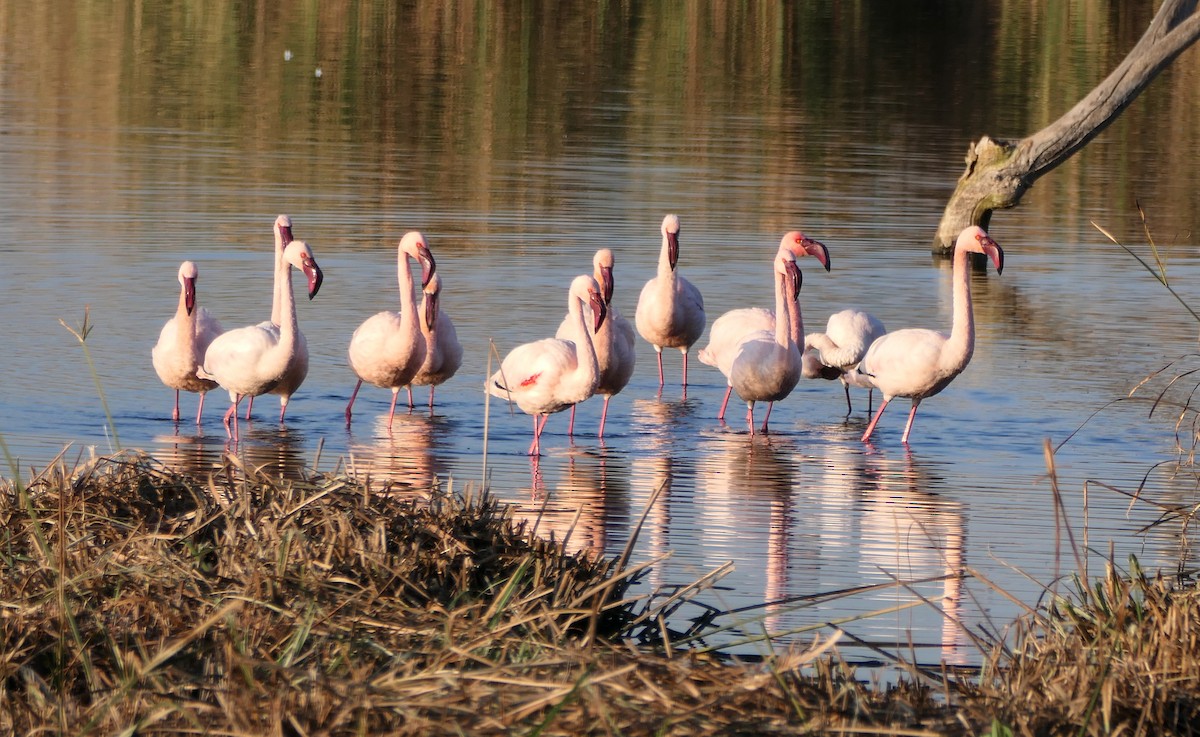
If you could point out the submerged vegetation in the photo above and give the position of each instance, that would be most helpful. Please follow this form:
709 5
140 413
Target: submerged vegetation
134 600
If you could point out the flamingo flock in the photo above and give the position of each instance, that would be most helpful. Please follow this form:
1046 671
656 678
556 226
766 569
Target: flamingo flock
763 354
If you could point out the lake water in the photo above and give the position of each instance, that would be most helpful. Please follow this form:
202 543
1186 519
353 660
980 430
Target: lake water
519 142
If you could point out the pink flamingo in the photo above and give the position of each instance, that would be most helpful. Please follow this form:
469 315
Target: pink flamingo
918 363
250 361
443 352
549 375
729 329
670 310
387 349
766 364
183 341
614 341
835 353
298 369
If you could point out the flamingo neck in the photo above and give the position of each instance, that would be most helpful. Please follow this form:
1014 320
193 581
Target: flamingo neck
410 336
666 274
185 335
958 349
796 320
784 335
276 297
428 334
587 369
285 349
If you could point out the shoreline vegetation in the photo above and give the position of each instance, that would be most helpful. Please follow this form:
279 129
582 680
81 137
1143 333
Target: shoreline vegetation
135 600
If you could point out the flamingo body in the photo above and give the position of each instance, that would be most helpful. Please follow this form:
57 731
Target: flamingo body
670 309
918 363
183 341
835 353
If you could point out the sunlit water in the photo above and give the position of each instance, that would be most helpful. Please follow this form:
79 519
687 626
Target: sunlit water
1071 326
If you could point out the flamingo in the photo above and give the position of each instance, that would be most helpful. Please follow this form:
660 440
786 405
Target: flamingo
298 369
387 349
250 361
834 353
670 310
766 365
183 341
918 363
614 341
549 375
443 352
729 329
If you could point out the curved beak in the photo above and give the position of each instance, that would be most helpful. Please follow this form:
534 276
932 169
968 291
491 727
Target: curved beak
315 277
994 252
428 265
817 250
673 248
431 309
189 294
599 310
606 283
795 278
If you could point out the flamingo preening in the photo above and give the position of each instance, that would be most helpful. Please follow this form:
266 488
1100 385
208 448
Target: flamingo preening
835 353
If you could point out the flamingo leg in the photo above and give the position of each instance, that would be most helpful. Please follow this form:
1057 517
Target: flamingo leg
535 449
249 407
685 369
283 403
431 388
571 423
410 403
870 399
603 415
175 412
660 371
750 417
770 406
231 415
725 402
200 410
874 421
849 407
912 414
353 394
392 411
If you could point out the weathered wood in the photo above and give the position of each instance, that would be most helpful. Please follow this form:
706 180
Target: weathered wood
999 172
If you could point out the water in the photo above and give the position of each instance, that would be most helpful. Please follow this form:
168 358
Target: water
521 144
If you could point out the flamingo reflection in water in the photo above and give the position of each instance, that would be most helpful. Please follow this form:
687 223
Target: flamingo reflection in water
580 509
401 453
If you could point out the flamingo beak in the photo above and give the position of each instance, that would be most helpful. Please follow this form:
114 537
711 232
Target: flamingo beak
428 265
673 248
431 309
994 251
599 310
606 283
189 294
817 250
315 277
795 278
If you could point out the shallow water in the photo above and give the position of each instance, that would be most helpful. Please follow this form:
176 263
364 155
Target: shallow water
104 194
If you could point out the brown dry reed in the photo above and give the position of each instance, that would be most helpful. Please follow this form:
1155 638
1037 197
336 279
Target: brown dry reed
134 600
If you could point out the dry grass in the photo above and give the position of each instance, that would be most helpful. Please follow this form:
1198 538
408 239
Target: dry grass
136 601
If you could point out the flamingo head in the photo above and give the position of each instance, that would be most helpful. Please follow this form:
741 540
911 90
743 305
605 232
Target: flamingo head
298 254
604 272
799 245
413 244
670 231
976 240
283 231
187 279
433 291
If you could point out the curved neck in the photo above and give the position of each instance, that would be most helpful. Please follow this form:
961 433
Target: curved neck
276 297
185 334
287 305
665 272
410 323
960 346
795 318
588 366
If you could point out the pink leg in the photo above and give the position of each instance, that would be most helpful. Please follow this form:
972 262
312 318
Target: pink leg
200 410
874 421
392 411
431 388
410 404
536 448
912 413
249 407
603 415
283 403
728 391
750 417
231 415
660 373
770 406
685 370
571 423
353 394
175 412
